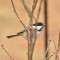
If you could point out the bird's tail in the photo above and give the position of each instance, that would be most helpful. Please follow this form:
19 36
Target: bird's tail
11 36
18 34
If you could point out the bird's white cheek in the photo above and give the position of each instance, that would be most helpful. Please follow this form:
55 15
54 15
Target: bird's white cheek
38 27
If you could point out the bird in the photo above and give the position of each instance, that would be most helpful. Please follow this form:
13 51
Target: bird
38 26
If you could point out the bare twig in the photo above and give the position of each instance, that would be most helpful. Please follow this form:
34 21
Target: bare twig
33 8
6 52
30 14
29 11
50 55
30 46
37 20
26 8
39 10
49 41
33 1
59 40
16 13
31 17
56 57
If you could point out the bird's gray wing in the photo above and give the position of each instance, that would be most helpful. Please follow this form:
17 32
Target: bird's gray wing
21 32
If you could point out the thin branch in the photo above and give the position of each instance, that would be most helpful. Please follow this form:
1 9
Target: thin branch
56 57
16 13
34 1
6 52
34 6
37 19
30 41
33 9
31 17
30 46
49 41
27 9
39 10
14 9
59 40
51 55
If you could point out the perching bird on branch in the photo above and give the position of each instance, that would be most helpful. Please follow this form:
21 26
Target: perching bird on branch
38 26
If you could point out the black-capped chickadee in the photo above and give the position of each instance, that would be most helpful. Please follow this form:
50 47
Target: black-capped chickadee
38 26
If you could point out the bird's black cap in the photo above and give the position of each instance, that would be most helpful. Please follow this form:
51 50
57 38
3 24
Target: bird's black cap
38 24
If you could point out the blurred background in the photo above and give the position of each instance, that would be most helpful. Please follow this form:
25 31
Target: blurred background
9 24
